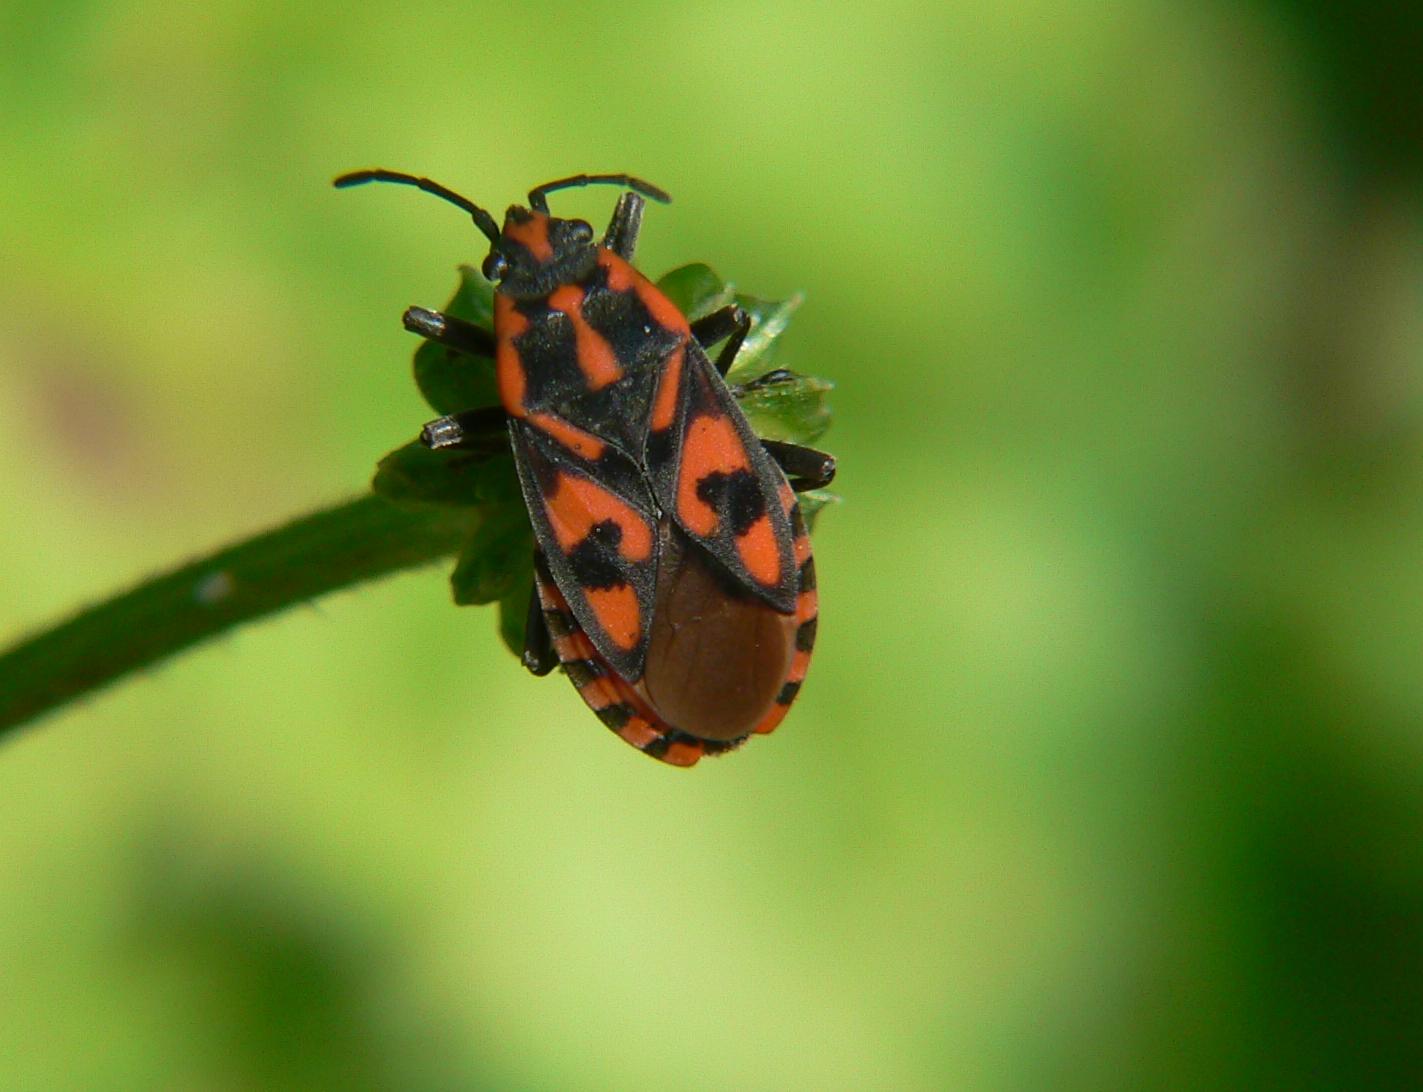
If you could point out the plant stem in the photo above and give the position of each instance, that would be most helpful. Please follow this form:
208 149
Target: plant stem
340 546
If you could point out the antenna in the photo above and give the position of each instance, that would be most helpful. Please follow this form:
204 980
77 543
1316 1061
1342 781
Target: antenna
538 196
482 219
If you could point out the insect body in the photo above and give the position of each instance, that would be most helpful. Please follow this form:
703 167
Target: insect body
673 573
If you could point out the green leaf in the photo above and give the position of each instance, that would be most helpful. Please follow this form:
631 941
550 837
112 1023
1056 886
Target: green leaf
769 319
696 290
452 381
473 300
514 610
795 411
813 502
414 474
496 559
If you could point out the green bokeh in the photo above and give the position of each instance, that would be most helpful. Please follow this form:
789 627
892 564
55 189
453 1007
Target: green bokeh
1109 770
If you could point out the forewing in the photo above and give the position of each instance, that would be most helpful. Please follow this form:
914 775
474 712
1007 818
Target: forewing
595 525
710 473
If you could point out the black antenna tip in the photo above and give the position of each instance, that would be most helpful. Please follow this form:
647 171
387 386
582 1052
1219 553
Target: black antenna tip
355 178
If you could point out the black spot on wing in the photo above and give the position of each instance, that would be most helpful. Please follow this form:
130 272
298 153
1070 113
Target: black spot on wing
594 561
737 495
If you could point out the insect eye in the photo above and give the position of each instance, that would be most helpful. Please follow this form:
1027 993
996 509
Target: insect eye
580 231
495 266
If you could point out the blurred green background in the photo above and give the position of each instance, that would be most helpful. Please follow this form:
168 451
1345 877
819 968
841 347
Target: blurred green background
1109 771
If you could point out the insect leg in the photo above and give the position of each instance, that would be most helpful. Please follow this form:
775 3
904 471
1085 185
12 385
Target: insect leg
621 236
451 332
709 329
729 322
473 430
770 379
539 656
804 467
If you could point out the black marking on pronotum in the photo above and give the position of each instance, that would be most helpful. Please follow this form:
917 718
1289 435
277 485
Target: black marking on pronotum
637 339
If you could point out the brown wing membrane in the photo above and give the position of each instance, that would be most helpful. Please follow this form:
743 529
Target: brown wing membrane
711 475
600 541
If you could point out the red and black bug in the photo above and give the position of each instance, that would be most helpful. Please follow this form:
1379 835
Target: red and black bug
673 572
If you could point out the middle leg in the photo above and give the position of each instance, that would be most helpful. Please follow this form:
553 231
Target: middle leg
451 332
804 467
473 430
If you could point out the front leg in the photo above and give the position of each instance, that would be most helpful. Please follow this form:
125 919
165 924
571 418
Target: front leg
770 379
621 236
731 322
453 333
